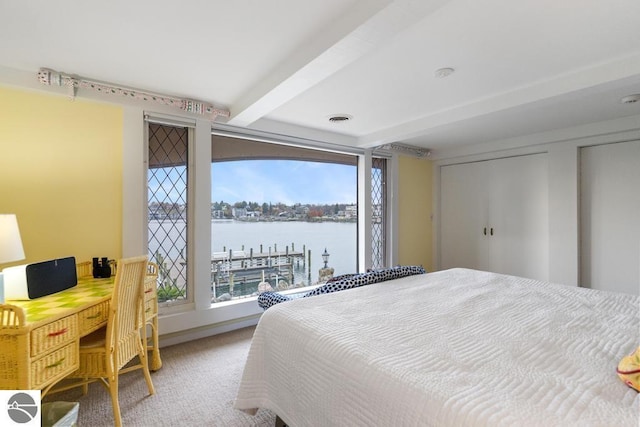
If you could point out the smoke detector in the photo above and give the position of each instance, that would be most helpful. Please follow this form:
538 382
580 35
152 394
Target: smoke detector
630 99
441 73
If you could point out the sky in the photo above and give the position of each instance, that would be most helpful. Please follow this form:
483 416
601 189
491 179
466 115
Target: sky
283 181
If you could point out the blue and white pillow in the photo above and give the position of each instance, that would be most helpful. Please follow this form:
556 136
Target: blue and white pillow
346 281
267 299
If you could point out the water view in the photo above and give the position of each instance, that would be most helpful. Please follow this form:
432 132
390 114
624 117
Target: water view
339 238
241 277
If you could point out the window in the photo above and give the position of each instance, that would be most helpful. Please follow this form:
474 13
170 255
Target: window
378 211
275 209
186 216
167 209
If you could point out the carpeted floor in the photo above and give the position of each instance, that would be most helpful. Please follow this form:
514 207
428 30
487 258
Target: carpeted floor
196 386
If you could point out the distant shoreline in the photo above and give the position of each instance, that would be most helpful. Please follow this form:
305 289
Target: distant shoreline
250 220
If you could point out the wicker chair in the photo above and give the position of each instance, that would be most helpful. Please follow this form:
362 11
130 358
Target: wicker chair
150 316
105 352
14 342
152 269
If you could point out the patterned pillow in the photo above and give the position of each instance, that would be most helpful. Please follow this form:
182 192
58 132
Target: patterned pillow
345 281
342 277
338 285
267 299
374 276
397 272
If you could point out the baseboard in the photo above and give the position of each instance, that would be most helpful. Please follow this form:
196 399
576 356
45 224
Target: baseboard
207 331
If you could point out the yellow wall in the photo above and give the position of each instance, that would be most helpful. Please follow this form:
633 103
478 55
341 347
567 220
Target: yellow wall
415 207
61 174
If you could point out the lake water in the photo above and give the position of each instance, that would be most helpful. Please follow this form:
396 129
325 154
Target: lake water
339 238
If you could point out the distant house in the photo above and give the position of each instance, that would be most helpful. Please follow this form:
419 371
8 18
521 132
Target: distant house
351 211
239 212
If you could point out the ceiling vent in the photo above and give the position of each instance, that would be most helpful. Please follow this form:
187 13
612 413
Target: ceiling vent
631 99
340 118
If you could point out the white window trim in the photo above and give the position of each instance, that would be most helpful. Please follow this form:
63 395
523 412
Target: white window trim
364 211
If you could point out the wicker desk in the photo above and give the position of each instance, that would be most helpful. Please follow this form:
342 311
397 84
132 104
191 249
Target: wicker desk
45 349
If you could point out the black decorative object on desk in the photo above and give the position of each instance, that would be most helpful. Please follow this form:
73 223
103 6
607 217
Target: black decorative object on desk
101 268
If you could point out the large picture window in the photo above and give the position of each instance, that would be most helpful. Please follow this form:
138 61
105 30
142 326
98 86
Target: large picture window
276 216
275 211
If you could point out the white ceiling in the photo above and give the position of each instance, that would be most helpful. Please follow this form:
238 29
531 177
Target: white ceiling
521 67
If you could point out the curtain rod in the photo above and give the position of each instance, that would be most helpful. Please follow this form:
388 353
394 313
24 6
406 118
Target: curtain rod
50 77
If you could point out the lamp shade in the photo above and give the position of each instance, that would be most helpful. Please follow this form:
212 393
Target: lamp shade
10 242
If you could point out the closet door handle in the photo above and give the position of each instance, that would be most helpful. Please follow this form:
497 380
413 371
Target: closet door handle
492 231
485 231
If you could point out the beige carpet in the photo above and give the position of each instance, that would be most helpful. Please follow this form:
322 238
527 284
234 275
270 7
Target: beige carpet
195 387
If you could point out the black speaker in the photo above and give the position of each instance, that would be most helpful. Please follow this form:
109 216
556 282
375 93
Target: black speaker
36 280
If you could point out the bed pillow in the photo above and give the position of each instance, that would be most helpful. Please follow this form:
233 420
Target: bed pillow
267 299
345 281
342 277
335 286
362 279
385 274
629 370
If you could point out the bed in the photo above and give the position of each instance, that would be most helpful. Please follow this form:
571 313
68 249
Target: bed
452 348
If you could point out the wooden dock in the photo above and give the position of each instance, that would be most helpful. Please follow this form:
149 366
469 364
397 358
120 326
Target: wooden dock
243 255
238 272
242 270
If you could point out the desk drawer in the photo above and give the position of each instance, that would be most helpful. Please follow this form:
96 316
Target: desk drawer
53 335
54 366
93 318
150 308
150 288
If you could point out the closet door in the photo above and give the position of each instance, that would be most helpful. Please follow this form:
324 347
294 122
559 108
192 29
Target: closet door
494 216
610 217
464 211
519 216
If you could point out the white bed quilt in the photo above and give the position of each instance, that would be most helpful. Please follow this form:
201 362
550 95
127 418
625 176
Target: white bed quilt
452 348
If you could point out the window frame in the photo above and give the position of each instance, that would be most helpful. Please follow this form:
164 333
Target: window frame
190 319
181 161
230 148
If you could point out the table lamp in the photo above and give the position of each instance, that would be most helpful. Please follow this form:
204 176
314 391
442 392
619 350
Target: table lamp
10 244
